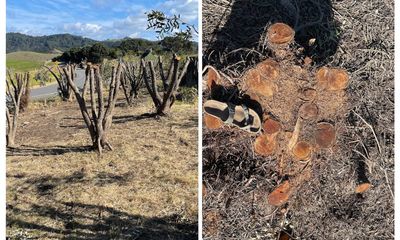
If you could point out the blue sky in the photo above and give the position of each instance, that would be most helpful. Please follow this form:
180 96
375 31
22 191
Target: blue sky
96 19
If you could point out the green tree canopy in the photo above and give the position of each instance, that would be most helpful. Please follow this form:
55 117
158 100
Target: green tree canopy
97 53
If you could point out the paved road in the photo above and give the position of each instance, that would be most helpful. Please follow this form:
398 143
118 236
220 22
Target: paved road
51 90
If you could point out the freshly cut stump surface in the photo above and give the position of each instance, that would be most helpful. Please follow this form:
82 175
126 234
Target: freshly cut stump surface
212 122
280 33
332 79
325 135
265 145
271 126
280 195
302 150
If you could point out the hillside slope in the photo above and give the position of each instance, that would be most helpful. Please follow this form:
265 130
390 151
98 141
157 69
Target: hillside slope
21 42
23 61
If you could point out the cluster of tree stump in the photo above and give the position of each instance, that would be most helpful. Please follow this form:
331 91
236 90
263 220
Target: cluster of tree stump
299 107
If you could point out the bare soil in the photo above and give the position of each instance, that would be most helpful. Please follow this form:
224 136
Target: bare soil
356 36
57 188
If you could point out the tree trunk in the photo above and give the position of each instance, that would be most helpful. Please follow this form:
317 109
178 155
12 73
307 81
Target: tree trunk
10 136
169 97
15 88
101 114
164 104
64 88
150 83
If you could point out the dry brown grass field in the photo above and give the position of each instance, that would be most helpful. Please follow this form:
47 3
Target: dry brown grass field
145 189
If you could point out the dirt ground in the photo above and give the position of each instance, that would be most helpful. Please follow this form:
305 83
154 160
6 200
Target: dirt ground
145 189
354 35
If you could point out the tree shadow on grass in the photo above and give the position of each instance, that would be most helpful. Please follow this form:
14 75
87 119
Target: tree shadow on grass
87 221
46 184
245 30
52 218
26 150
184 124
124 119
77 127
72 118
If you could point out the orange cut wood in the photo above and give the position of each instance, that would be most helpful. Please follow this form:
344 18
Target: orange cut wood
325 135
302 150
280 195
257 84
332 79
280 33
212 122
271 126
213 77
363 187
265 145
269 69
308 111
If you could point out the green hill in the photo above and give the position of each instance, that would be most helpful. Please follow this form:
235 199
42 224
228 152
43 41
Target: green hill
27 61
61 42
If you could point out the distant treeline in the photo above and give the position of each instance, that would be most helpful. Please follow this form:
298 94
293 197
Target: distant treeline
96 52
75 48
45 44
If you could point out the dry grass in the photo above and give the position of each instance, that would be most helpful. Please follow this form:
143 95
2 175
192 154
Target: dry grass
145 189
359 37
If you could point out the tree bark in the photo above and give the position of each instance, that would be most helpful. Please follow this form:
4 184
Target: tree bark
101 114
131 81
149 83
169 97
164 104
15 88
65 90
10 136
82 106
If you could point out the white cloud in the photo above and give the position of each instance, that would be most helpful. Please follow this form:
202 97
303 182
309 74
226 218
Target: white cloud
97 19
135 35
138 22
188 9
85 28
